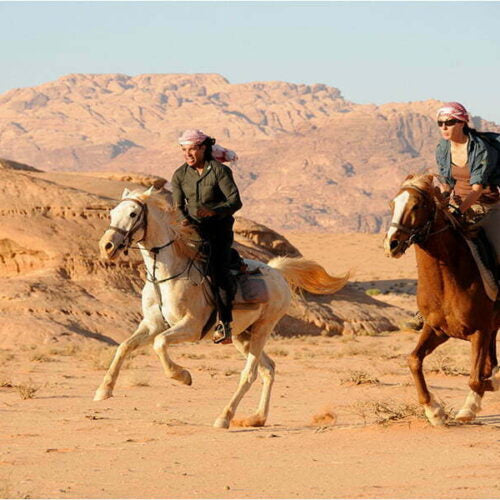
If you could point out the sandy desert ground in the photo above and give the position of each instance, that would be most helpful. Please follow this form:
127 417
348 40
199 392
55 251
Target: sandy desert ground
343 422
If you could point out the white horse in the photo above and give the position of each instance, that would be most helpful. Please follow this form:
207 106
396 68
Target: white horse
176 297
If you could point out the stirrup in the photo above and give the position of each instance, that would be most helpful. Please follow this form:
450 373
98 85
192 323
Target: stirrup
222 334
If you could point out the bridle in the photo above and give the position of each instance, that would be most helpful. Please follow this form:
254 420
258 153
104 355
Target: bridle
421 233
141 222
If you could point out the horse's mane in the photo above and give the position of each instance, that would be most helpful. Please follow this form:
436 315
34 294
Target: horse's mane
187 240
423 182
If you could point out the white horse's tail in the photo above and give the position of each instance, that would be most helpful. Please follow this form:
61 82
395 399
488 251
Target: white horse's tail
307 274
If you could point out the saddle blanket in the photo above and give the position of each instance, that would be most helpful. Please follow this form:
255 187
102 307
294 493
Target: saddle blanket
251 289
489 282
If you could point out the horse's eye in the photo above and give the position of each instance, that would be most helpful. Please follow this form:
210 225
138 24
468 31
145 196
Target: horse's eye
415 207
133 214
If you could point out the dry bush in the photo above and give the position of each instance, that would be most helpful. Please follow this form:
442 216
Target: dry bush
66 350
386 411
359 377
447 366
27 390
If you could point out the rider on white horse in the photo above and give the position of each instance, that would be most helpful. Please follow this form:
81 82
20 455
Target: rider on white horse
206 196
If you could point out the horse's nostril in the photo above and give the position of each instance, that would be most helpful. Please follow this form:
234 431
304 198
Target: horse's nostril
108 246
394 244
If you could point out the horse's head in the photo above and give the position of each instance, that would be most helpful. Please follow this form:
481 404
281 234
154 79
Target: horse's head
413 210
128 224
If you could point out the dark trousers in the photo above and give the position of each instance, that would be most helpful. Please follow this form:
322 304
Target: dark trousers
218 237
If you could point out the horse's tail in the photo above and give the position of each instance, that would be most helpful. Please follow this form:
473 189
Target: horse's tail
307 274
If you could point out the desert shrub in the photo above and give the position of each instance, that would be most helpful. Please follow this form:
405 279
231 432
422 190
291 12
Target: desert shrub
27 390
359 377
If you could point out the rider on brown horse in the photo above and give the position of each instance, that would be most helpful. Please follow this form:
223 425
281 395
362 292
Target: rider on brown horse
468 163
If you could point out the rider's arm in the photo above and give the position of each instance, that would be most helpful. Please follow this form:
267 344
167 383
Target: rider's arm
178 197
230 192
477 190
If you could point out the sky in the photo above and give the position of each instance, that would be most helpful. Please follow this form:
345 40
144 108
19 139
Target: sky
374 52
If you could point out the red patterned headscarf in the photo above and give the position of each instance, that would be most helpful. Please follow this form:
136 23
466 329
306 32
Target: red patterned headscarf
455 110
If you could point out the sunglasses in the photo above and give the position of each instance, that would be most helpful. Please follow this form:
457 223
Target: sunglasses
448 123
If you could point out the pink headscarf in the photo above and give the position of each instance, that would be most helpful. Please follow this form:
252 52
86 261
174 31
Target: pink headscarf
194 136
455 110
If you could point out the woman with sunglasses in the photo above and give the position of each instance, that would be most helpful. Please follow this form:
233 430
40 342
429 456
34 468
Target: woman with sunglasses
469 165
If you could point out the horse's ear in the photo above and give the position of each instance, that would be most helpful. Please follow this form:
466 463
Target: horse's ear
125 193
408 177
149 191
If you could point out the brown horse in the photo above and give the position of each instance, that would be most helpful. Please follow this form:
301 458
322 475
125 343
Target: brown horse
450 294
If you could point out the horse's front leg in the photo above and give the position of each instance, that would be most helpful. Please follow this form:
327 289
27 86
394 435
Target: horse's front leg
144 334
427 342
480 372
186 330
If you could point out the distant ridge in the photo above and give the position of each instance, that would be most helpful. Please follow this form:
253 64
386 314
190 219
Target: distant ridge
309 159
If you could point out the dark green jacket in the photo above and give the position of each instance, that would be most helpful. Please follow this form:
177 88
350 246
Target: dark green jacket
214 189
482 159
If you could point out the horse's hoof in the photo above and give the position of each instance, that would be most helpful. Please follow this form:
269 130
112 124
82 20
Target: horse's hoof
102 394
184 377
434 414
221 423
465 415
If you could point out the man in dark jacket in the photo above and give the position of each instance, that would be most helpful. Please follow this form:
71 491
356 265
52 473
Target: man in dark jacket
205 195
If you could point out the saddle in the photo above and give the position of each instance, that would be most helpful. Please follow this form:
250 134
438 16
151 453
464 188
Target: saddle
250 285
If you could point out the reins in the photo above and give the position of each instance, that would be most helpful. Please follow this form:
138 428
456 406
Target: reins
142 223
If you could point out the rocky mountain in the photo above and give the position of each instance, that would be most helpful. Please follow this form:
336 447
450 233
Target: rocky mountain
54 286
308 157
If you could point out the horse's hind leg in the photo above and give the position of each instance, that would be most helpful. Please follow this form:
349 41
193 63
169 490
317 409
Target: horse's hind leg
483 363
427 342
266 372
141 336
259 333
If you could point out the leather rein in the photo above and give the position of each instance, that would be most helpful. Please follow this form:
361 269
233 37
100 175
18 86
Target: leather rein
421 233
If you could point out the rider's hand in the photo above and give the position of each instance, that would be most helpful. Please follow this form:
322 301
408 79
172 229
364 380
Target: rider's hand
205 212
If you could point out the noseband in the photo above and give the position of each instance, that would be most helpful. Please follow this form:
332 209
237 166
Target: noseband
421 233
